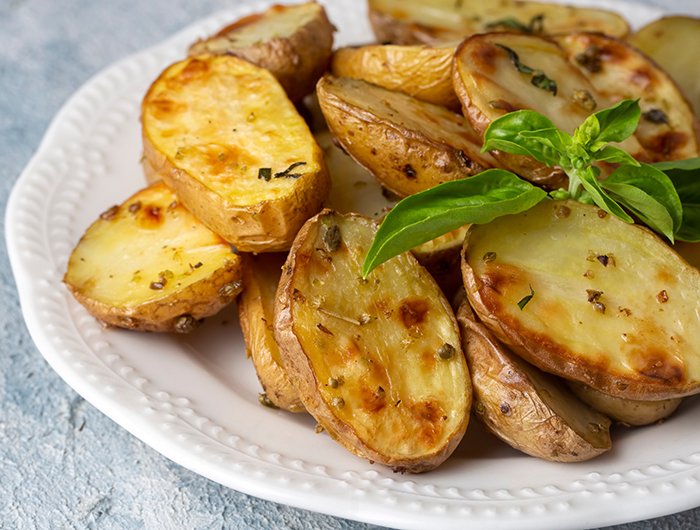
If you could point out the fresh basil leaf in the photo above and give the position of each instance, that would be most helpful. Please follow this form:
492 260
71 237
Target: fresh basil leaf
687 184
506 134
654 184
426 215
600 198
552 137
613 124
615 155
689 164
649 210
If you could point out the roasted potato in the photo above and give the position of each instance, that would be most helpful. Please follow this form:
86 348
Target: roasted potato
430 21
668 128
223 134
409 145
261 275
376 361
149 265
424 72
293 42
489 81
528 409
581 294
442 258
630 412
673 43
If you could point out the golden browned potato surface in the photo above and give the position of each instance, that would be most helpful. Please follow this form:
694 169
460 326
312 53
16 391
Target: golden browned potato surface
293 42
409 145
261 275
489 81
223 134
673 43
581 294
377 362
668 128
424 72
149 265
530 410
427 21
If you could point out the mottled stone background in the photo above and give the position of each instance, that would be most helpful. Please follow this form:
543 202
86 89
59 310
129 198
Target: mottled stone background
63 464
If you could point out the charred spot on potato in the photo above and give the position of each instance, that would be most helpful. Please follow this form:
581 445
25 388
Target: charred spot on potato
658 365
324 329
505 409
409 171
338 402
230 289
412 312
110 213
134 207
590 59
667 143
662 297
656 116
562 211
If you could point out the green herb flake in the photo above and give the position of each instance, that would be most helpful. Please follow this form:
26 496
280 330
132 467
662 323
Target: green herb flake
526 299
287 173
534 27
539 78
265 173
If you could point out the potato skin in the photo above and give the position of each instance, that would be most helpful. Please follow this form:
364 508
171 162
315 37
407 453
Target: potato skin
409 145
514 401
261 275
591 317
177 311
424 72
297 61
263 216
301 370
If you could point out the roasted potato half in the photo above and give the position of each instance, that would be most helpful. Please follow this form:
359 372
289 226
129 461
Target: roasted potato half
149 265
581 294
630 412
528 409
223 134
293 42
429 21
673 43
490 81
424 72
668 128
376 361
261 275
409 145
442 258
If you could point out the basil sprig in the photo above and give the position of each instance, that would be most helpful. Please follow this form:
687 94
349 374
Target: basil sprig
666 197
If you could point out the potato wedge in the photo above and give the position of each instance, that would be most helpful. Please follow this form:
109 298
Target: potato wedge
424 72
223 134
631 412
293 42
489 83
668 128
673 43
528 409
261 275
409 145
442 258
149 265
429 21
583 295
377 362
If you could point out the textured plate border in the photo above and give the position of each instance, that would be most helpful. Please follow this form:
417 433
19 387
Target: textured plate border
42 223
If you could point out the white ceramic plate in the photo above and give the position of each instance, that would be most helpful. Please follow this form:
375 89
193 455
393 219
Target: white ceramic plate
194 399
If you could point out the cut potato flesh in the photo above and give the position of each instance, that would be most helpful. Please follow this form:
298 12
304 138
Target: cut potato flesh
673 42
261 275
412 21
668 127
149 265
424 72
631 412
490 84
223 134
530 410
293 42
377 362
409 145
583 295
